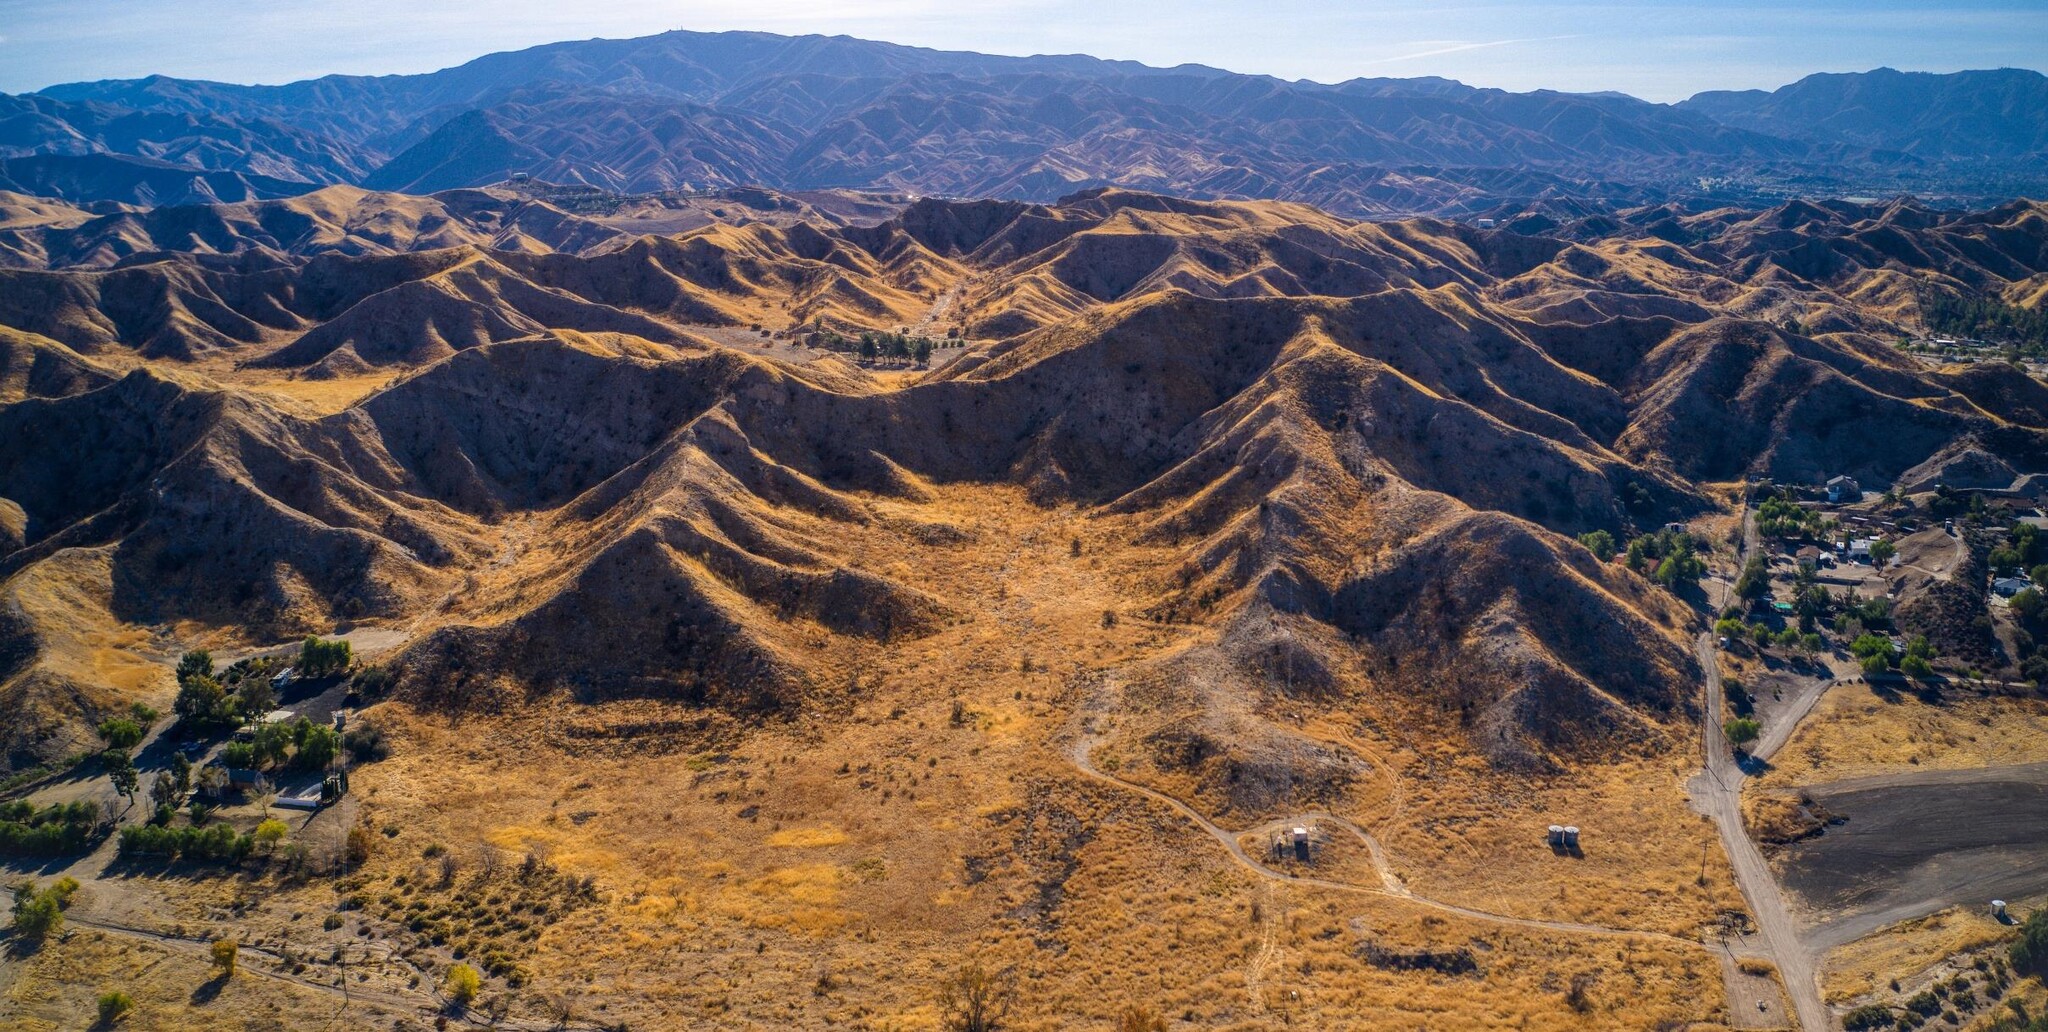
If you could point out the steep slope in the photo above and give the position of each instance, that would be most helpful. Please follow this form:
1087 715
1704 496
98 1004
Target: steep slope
1353 453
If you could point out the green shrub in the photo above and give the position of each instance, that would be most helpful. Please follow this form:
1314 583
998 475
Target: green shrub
114 1005
2029 953
39 913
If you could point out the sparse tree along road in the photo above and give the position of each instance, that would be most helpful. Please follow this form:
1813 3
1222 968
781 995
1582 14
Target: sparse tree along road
1717 793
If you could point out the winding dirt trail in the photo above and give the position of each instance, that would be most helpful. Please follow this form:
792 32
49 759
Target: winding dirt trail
1078 755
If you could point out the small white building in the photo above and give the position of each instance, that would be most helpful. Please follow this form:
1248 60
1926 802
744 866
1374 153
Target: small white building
1844 489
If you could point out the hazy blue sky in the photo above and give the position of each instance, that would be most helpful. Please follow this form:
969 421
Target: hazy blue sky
1658 49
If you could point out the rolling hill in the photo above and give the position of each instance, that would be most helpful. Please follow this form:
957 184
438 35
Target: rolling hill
1317 417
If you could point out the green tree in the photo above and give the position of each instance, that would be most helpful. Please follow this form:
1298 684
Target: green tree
320 745
39 913
254 698
272 744
1755 581
1882 551
1680 568
196 663
201 700
2029 604
1741 731
319 658
1600 543
463 984
143 714
922 352
164 790
121 771
1874 666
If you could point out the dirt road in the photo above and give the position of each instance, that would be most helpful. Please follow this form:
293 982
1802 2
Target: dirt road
1078 754
1716 792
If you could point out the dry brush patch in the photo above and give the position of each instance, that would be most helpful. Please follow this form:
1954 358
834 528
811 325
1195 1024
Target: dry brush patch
1855 732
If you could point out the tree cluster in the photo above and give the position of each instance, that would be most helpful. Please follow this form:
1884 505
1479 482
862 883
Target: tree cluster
1984 318
218 843
899 346
55 830
318 658
1877 655
1669 557
300 745
1779 517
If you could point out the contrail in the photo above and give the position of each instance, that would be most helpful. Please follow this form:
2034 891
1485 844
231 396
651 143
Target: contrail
1457 48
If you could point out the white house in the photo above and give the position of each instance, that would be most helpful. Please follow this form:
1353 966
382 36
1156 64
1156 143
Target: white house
1844 489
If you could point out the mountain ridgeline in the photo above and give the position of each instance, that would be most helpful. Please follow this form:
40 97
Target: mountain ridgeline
698 111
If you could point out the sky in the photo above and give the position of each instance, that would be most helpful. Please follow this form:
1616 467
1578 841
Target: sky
1662 50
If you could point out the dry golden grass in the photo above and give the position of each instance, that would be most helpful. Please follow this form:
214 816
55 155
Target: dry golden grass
322 397
832 869
174 988
1906 952
1853 733
1477 839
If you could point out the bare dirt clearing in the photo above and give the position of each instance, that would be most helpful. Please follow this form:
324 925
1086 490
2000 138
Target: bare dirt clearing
1914 843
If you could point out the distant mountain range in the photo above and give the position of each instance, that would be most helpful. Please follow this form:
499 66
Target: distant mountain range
694 111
